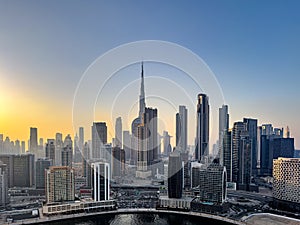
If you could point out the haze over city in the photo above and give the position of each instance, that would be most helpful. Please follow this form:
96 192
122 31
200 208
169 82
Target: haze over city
45 47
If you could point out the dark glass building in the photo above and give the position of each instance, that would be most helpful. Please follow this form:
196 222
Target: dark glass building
175 175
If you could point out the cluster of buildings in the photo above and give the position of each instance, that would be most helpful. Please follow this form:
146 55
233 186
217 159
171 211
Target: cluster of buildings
76 175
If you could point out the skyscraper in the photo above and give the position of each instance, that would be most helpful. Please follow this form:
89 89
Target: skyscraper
167 143
137 121
127 144
181 129
118 132
227 154
4 200
41 165
175 175
202 138
245 161
81 138
223 128
238 127
99 138
50 150
67 152
101 181
118 162
60 184
58 148
33 145
23 170
147 140
251 127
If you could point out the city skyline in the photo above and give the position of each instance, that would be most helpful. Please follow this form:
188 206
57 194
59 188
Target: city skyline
41 65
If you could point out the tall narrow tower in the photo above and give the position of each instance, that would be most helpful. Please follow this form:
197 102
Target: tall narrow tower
202 139
142 94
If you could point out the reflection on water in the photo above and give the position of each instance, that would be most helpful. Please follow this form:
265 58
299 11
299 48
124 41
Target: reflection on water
141 219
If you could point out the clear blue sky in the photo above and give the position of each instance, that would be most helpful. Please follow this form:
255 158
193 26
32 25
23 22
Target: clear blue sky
252 47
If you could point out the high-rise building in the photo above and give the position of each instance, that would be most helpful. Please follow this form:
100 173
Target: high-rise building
23 147
118 132
175 175
4 200
167 143
99 138
126 144
67 152
283 147
58 148
86 156
286 184
147 140
17 147
223 128
60 185
227 154
81 138
202 138
212 184
118 162
251 127
100 181
77 152
238 128
244 162
137 122
181 129
23 170
33 144
8 161
41 165
50 150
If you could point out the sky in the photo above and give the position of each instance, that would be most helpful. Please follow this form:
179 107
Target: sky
252 48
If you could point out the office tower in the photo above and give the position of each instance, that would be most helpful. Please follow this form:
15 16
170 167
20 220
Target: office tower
202 138
22 147
181 129
60 185
23 170
4 200
175 175
118 162
288 133
227 154
33 145
86 156
7 147
251 127
244 162
58 148
238 127
286 184
50 150
167 143
81 138
126 144
77 153
137 122
118 132
8 161
17 147
99 138
223 128
282 147
212 184
186 170
100 181
41 165
67 152
147 140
